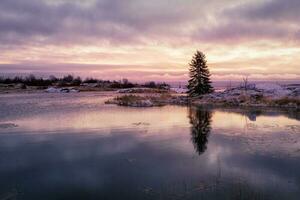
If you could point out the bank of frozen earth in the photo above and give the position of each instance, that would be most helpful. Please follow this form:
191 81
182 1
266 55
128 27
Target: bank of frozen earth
266 94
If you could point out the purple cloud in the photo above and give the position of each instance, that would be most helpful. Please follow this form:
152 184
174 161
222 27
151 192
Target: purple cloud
267 20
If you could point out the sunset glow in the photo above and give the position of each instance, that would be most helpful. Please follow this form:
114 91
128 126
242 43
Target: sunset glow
151 40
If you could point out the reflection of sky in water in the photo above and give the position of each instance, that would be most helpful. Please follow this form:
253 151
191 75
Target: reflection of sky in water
74 147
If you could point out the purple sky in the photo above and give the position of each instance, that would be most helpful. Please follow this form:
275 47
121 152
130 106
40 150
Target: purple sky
151 40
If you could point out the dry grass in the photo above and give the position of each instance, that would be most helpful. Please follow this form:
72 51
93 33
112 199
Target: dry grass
287 101
141 100
129 99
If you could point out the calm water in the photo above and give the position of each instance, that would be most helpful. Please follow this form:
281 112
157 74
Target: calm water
72 146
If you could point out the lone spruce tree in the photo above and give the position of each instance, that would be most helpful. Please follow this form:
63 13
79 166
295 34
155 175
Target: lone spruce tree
199 82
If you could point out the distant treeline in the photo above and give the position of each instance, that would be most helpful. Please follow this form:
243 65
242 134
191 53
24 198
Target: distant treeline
70 80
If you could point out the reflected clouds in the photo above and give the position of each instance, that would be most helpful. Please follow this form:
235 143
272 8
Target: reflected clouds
82 148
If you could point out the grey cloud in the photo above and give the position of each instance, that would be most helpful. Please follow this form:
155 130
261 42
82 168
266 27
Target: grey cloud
273 10
271 20
109 20
39 22
237 31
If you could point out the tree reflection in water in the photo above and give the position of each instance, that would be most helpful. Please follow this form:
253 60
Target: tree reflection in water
200 121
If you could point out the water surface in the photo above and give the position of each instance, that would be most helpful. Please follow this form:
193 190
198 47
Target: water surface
73 146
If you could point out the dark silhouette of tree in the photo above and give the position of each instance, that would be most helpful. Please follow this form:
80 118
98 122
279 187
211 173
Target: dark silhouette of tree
69 78
150 84
199 82
91 80
200 129
76 81
53 78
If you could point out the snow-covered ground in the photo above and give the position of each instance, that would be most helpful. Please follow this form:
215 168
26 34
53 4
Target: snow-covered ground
263 94
275 90
179 90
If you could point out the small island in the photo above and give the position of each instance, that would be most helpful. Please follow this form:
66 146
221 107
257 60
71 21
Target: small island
201 92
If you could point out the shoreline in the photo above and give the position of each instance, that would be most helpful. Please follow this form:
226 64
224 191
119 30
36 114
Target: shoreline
253 106
161 98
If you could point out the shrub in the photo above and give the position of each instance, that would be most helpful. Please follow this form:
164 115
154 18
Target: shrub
129 99
77 81
150 84
91 80
69 78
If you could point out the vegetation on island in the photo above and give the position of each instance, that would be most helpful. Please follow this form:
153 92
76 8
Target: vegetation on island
148 100
72 81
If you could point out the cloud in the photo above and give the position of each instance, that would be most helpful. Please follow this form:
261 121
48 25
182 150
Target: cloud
139 21
37 35
266 20
148 73
114 21
270 10
237 31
